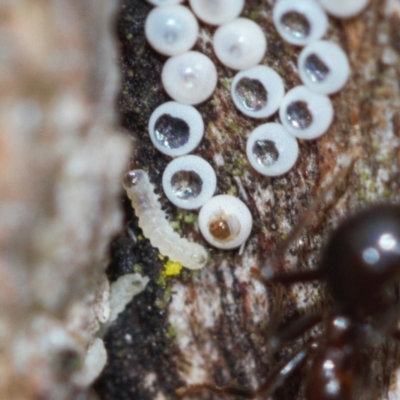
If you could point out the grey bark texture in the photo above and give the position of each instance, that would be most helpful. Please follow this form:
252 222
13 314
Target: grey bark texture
61 159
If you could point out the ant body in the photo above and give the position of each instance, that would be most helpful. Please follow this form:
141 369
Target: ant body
361 267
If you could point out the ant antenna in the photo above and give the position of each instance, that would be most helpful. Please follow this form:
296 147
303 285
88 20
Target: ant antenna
333 183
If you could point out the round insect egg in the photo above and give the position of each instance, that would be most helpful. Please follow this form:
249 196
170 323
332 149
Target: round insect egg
164 2
175 129
189 182
225 222
344 8
323 67
240 44
257 92
171 30
300 22
271 150
189 78
305 114
217 12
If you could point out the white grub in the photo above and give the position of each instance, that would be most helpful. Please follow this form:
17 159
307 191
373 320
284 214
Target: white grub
94 362
123 290
155 225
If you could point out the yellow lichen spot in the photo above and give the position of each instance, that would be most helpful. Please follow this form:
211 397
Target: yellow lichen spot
172 268
137 268
189 218
140 237
387 192
160 257
226 83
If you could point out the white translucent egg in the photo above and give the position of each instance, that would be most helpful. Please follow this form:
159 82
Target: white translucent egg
175 129
189 78
271 150
171 30
189 181
257 92
300 22
225 222
217 12
164 2
344 8
240 44
323 67
305 114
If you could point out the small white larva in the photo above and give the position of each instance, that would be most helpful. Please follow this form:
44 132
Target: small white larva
155 226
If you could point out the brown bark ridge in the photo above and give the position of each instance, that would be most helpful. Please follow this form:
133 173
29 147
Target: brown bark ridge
212 325
61 157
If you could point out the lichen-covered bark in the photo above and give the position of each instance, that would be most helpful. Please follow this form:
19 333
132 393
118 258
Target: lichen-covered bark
61 158
212 325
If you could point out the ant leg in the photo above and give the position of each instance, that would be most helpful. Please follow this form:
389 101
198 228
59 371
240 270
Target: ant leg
267 277
275 315
295 329
389 323
282 372
301 324
277 377
314 211
221 390
395 334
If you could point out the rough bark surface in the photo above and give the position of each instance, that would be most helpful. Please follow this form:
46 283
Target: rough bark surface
61 158
212 325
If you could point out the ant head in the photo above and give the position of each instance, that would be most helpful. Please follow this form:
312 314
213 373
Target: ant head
362 260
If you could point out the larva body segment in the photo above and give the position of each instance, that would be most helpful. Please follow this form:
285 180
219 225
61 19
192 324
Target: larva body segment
154 223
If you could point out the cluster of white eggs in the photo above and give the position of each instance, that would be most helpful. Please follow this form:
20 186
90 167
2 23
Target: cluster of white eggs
190 77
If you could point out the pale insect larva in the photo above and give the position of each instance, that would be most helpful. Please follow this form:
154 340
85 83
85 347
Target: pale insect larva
154 223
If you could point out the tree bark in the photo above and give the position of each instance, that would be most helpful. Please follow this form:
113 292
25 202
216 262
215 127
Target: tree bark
213 325
59 204
61 158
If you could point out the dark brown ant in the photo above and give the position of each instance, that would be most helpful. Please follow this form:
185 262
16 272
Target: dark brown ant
361 267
